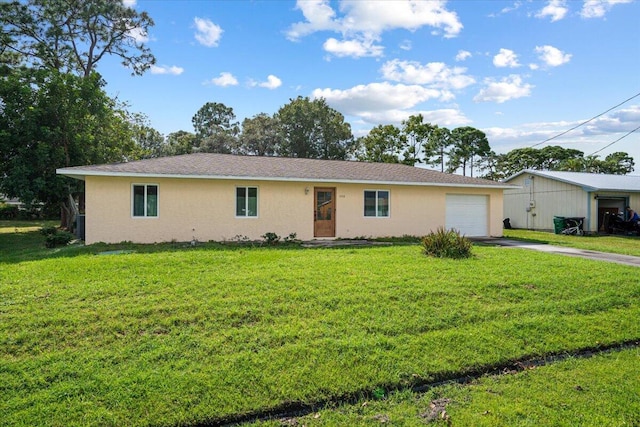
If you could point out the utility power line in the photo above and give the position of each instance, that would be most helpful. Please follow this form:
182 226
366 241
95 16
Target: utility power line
622 137
587 121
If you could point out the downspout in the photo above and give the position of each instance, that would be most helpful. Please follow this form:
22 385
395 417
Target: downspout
532 197
587 228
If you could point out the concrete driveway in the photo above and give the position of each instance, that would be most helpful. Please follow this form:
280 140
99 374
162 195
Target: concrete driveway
562 250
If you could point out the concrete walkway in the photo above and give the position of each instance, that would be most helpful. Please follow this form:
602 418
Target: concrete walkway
562 250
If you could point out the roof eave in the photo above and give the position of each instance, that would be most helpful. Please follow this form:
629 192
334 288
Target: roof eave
82 174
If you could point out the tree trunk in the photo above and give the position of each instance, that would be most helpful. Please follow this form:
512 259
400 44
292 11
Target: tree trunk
69 214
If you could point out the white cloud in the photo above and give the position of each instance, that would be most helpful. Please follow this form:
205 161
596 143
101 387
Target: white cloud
556 9
139 35
445 117
463 55
551 56
225 79
374 17
272 82
163 69
508 9
362 22
207 33
129 3
448 117
630 115
319 17
353 48
599 8
406 45
506 58
588 138
376 97
435 74
623 120
515 6
508 88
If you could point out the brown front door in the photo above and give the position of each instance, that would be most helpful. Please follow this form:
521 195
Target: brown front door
324 224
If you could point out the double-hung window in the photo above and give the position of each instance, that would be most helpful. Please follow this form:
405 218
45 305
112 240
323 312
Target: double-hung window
376 203
247 201
145 200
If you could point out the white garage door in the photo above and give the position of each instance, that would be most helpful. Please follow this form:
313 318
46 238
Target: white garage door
468 214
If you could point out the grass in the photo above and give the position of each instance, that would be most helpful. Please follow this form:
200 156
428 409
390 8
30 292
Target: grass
584 392
626 245
182 335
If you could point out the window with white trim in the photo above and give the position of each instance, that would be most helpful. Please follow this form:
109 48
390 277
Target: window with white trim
144 200
376 203
247 201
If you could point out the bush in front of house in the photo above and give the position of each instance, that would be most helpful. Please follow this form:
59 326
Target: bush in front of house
446 244
48 231
55 237
271 238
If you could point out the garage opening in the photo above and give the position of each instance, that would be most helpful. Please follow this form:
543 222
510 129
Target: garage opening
609 206
468 214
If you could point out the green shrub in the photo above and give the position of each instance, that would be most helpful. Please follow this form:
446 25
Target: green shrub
59 238
291 238
8 211
271 238
48 231
446 244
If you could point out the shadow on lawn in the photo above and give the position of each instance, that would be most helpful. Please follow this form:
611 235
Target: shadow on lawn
24 246
495 241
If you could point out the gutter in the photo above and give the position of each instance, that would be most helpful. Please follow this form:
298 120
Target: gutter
81 175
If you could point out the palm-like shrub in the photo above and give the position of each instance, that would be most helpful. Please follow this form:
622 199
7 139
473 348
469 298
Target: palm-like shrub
446 244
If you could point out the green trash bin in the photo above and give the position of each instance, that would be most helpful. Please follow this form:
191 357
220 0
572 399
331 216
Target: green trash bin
558 224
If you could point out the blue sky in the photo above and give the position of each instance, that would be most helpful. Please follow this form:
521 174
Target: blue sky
521 71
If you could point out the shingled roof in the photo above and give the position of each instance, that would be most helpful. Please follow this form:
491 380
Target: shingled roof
226 166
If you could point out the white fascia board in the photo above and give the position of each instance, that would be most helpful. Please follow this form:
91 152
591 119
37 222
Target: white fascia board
515 175
81 174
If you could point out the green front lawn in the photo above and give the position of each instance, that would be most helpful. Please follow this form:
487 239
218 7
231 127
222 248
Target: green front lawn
601 391
182 335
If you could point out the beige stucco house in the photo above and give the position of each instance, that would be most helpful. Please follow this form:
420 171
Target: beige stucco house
223 197
538 196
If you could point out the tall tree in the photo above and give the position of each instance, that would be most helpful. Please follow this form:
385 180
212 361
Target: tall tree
562 159
312 129
554 157
260 136
619 163
383 144
216 129
180 142
51 120
70 36
436 148
416 133
488 166
149 142
519 159
468 143
74 35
